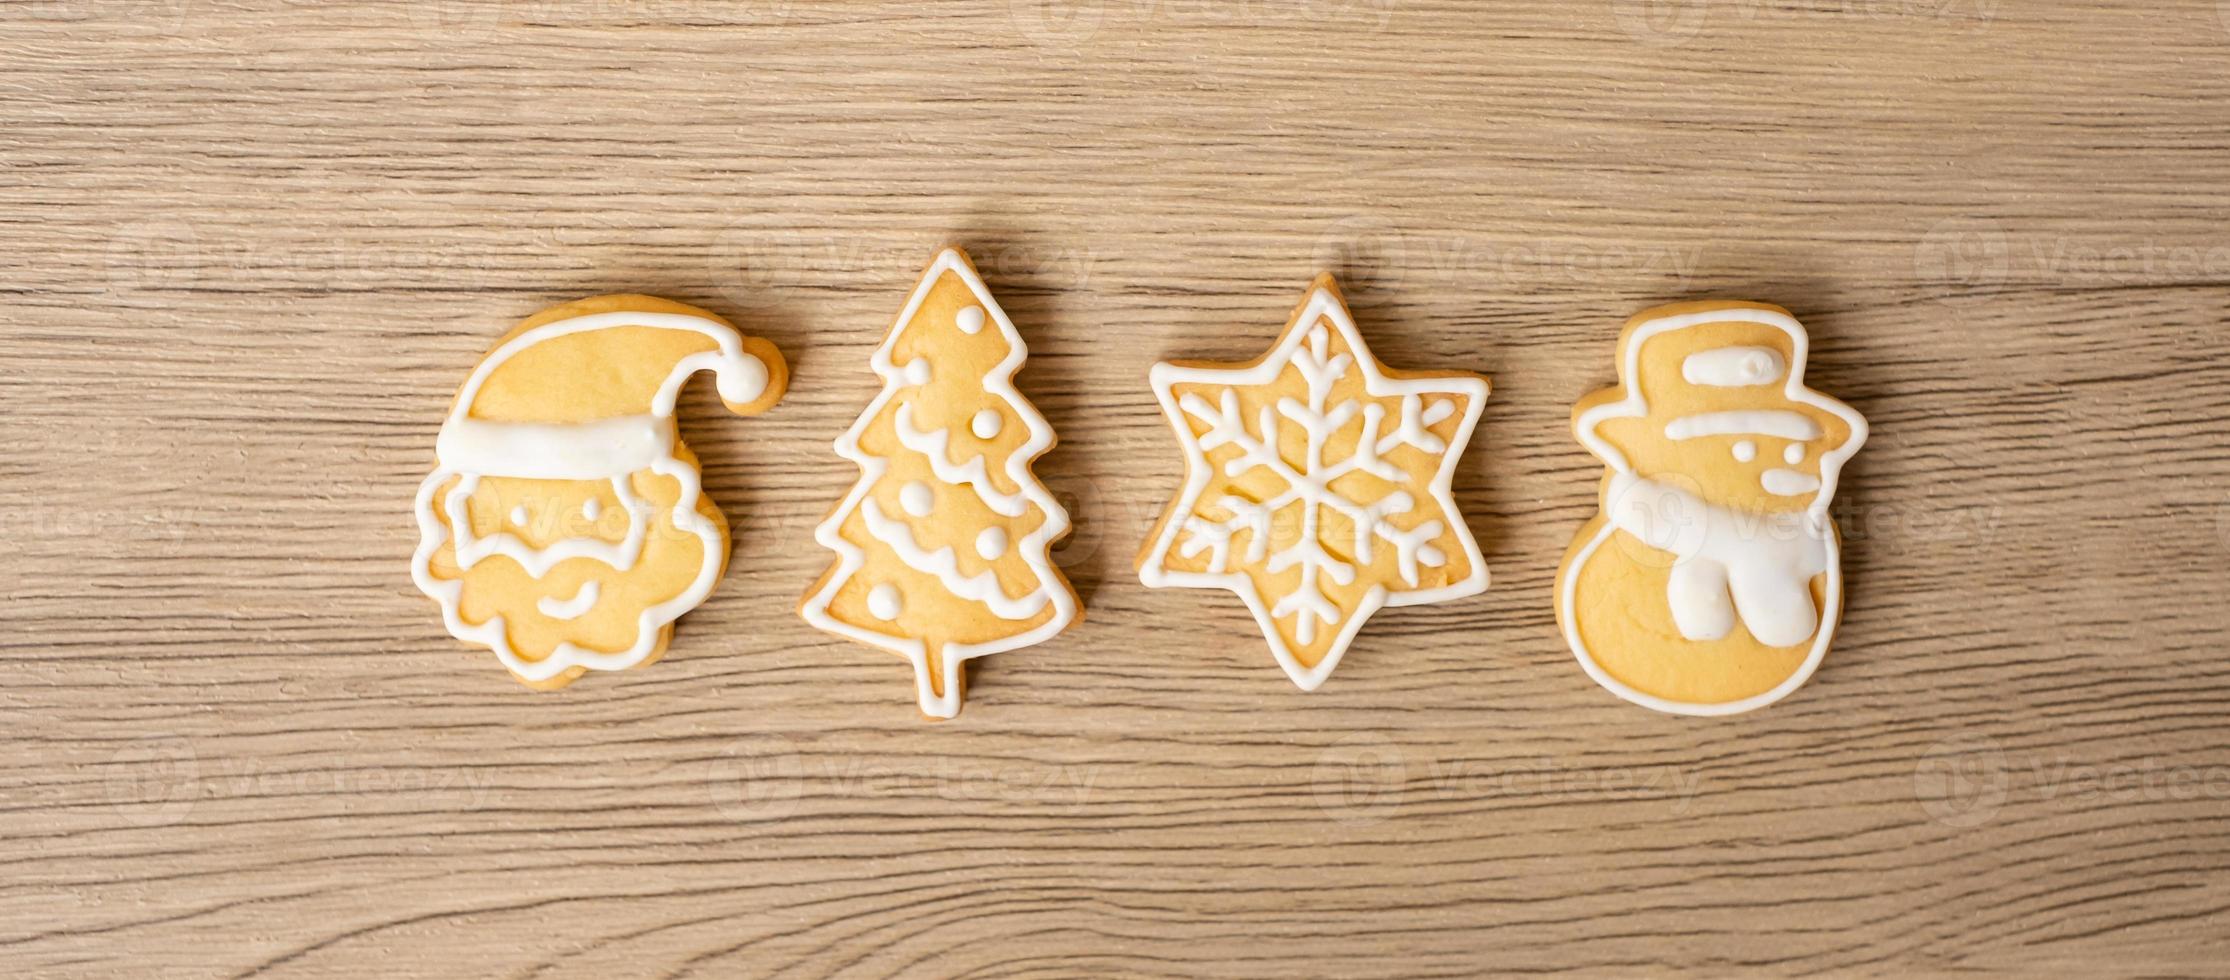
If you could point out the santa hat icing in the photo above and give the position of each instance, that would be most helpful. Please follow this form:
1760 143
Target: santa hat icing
634 361
583 392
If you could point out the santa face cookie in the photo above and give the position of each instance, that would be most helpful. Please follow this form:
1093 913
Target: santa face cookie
944 545
564 526
1317 485
1711 581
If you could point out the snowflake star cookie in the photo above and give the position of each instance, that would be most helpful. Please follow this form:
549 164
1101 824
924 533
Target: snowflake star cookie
1317 485
944 545
1711 581
563 526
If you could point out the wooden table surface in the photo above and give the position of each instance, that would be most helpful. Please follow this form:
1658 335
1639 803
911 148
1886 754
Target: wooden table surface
250 250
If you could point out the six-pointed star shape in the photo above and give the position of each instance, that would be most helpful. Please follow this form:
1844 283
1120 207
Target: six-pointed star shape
1317 485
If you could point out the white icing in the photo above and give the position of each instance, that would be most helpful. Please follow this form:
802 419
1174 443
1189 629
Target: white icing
970 320
1745 451
1311 483
591 510
991 542
469 449
916 498
917 371
519 515
1793 453
573 608
555 450
1765 560
1788 483
1415 416
740 377
1764 556
1308 484
472 548
981 587
1051 593
1733 367
883 602
986 423
972 474
1778 422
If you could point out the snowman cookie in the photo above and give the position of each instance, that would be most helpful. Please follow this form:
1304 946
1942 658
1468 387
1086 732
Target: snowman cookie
1710 582
563 526
1317 486
944 545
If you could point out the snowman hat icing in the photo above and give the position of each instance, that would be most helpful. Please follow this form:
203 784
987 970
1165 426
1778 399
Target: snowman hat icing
1731 366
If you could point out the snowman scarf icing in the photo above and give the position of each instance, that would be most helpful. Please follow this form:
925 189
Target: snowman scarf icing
1757 566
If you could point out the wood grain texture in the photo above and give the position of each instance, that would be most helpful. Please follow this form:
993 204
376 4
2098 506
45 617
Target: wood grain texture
250 249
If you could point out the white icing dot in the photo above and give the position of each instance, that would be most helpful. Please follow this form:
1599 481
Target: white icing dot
916 498
970 320
991 543
592 510
884 603
917 371
986 423
519 515
1745 451
1794 454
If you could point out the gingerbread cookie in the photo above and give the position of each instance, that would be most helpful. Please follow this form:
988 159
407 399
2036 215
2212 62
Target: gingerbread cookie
1711 581
944 545
1317 485
564 527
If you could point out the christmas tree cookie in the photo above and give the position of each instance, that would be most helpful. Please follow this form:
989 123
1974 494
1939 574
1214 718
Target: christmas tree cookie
1710 582
944 545
563 526
1317 485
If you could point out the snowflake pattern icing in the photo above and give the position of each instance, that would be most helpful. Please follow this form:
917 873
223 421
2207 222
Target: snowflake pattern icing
1288 454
